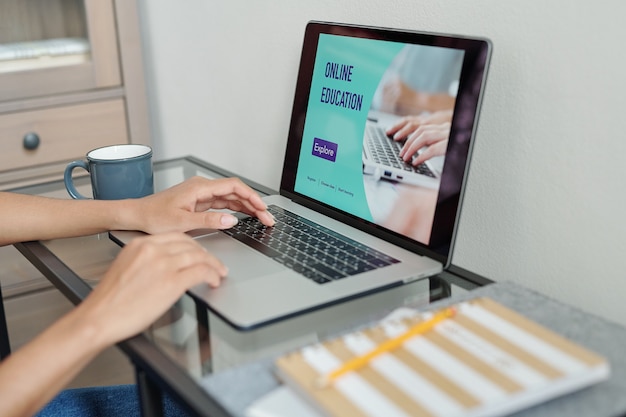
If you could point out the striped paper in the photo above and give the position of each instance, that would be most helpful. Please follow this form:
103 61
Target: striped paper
485 361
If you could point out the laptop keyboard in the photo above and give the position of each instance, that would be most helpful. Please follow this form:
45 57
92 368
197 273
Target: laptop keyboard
308 248
386 151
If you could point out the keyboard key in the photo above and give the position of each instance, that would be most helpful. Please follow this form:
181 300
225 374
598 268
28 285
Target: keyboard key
386 151
315 252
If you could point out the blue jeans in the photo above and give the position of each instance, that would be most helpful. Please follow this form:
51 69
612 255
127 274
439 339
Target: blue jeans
117 400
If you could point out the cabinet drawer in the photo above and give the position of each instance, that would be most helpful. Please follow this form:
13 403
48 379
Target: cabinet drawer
64 133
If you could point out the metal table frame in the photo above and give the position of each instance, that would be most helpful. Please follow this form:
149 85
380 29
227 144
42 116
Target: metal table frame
155 372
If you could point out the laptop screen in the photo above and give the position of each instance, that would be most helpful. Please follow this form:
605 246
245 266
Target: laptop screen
382 128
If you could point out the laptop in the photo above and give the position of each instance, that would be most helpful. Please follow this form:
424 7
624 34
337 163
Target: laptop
382 160
342 233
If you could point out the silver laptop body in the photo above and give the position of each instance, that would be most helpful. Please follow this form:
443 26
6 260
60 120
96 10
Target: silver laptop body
323 183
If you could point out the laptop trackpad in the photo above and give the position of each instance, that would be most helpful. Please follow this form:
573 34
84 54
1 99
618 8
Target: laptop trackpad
242 261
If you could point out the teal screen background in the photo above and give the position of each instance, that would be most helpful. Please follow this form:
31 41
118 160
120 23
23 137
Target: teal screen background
340 183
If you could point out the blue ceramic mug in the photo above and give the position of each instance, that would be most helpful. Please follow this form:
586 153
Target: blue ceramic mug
117 172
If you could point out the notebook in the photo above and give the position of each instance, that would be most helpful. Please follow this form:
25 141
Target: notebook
340 232
486 360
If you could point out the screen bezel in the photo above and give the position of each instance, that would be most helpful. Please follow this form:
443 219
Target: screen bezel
473 75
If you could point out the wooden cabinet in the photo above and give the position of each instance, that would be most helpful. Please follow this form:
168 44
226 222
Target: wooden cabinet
30 314
71 79
59 131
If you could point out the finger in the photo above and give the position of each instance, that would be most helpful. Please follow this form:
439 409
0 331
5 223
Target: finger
415 142
266 218
200 274
233 189
221 220
193 264
161 238
424 156
263 215
212 220
254 206
150 245
396 126
424 136
406 131
233 203
194 259
178 250
236 196
416 145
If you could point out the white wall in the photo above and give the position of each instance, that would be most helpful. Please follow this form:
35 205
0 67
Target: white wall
546 195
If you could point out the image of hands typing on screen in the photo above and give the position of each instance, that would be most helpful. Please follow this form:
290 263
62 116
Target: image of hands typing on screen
413 105
147 277
429 132
420 87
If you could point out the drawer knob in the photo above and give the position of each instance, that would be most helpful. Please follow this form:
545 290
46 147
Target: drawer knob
31 141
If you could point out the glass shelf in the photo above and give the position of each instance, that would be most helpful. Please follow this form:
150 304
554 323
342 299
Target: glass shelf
50 47
42 33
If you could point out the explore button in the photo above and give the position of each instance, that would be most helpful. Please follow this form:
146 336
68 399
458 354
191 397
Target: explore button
324 149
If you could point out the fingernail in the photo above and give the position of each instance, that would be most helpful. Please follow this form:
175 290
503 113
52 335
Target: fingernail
228 220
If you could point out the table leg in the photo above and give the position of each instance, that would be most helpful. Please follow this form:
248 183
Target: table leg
150 395
5 346
202 316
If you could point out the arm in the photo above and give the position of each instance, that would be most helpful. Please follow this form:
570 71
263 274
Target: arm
431 131
26 217
148 276
409 124
406 100
413 212
433 137
180 208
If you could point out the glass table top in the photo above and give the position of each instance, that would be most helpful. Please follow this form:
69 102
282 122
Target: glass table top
197 340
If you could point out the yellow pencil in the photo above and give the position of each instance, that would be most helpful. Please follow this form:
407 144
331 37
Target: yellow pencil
389 345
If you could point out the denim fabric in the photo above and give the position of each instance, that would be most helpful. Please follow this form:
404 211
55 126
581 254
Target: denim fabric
117 400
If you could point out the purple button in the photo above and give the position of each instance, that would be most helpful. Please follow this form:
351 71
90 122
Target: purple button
324 149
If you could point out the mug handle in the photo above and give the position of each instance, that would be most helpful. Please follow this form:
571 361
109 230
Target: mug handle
69 182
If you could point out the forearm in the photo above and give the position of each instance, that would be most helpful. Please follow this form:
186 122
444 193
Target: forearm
32 376
26 217
437 102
